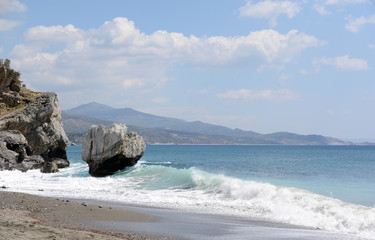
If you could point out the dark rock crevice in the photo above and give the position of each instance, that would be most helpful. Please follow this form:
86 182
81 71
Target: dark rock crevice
15 152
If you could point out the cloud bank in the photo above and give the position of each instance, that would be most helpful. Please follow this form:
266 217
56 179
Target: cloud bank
117 56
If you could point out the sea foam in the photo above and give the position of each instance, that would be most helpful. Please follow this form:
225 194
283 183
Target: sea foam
190 189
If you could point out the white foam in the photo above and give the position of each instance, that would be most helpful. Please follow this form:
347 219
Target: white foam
199 191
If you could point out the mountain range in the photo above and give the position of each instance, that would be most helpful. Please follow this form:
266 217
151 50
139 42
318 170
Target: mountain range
164 130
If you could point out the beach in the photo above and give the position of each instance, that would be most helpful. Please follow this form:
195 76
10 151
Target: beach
181 192
184 192
25 216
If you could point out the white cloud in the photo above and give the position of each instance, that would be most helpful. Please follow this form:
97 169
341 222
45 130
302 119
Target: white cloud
270 9
6 25
371 46
11 6
344 63
331 2
54 34
247 94
119 57
355 24
321 9
320 6
120 38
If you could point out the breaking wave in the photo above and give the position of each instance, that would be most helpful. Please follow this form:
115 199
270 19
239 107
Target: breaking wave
165 184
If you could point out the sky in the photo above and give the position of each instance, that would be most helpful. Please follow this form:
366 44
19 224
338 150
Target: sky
306 67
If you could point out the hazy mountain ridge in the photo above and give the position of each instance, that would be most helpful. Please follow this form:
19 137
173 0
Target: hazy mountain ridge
165 130
133 117
77 126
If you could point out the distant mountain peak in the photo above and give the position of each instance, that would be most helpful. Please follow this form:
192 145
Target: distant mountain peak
90 107
96 104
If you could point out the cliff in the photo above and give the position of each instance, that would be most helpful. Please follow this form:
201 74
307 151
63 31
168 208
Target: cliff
37 116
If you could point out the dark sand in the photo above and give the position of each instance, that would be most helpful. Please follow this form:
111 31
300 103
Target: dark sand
189 225
24 216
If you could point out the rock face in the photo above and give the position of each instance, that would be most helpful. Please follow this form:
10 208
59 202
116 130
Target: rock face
40 123
37 116
107 151
15 153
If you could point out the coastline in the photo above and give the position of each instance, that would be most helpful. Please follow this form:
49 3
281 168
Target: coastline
26 216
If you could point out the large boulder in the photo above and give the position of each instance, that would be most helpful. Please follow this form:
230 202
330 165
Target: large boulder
16 154
40 123
107 151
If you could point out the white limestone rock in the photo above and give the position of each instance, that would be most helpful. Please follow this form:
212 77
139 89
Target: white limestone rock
107 151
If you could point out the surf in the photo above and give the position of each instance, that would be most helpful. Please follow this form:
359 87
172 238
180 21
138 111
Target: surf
168 185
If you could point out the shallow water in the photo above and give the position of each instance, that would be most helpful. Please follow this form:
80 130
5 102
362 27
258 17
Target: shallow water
286 184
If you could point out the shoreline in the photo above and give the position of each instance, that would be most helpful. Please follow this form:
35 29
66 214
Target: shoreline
26 216
30 215
183 224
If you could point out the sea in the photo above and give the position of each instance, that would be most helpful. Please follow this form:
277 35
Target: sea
320 187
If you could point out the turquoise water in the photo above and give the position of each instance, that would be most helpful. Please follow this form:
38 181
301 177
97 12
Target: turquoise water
325 187
343 172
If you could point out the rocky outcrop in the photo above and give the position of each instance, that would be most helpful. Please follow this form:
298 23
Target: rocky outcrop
15 153
10 85
37 116
107 151
40 123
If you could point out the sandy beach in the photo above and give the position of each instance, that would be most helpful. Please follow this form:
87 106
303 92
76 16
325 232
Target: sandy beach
25 216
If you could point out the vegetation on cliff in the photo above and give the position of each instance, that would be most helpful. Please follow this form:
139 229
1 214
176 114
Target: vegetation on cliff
13 94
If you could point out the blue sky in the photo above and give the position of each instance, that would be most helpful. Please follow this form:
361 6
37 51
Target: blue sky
266 66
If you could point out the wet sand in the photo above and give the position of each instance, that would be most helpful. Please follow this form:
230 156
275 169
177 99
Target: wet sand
24 216
188 225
